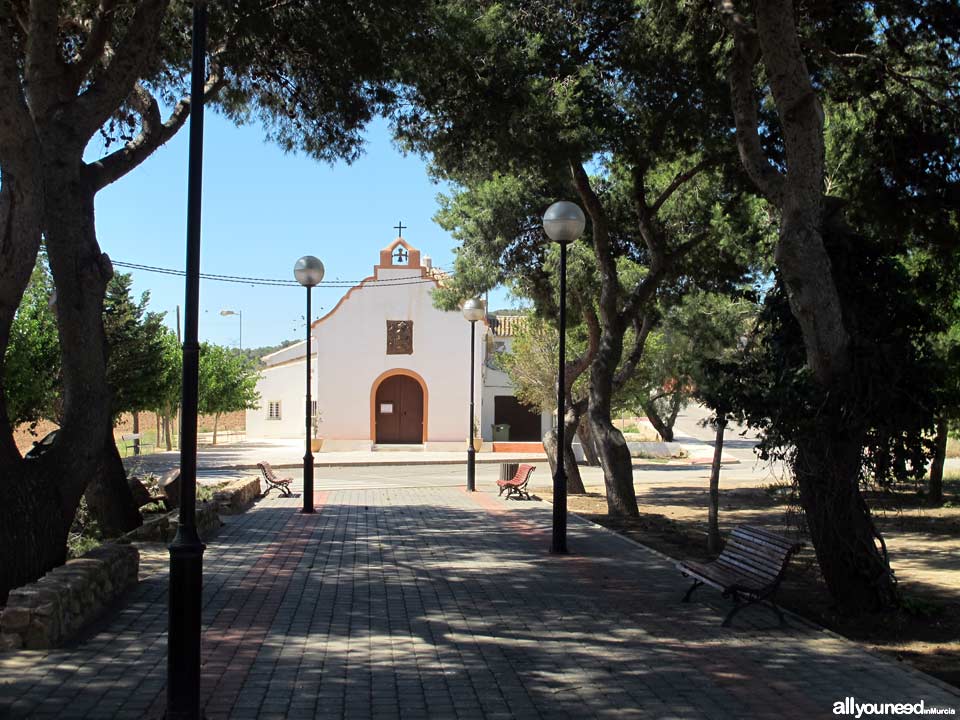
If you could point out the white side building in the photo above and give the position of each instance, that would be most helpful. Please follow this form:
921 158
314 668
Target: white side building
388 368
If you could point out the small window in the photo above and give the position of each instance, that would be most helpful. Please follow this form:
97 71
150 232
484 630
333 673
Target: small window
273 410
313 408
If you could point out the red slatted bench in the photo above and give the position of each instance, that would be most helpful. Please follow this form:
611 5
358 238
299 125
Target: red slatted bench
281 484
517 485
749 570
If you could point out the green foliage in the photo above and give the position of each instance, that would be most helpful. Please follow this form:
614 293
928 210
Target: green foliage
894 384
531 363
137 371
228 381
84 532
255 354
143 362
170 372
32 359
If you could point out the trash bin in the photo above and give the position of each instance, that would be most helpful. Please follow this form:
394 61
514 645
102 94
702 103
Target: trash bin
501 432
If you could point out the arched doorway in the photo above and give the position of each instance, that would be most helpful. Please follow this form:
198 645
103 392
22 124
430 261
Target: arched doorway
399 411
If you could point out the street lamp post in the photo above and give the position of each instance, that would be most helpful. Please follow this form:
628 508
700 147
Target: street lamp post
309 272
239 314
563 222
473 310
186 550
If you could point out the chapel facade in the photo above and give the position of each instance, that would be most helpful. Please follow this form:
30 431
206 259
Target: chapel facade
390 370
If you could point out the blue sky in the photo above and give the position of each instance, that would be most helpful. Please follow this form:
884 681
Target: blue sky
263 209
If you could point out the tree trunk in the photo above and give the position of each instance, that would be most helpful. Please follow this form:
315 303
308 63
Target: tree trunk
827 460
136 431
713 513
664 429
156 444
587 443
611 447
572 470
849 548
166 432
935 494
109 497
21 198
32 531
216 420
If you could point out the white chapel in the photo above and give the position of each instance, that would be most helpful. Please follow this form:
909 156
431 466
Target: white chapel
389 369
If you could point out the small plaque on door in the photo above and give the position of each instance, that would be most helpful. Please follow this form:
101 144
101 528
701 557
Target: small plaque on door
386 408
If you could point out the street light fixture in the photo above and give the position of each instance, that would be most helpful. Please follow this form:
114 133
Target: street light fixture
239 314
563 222
473 310
308 271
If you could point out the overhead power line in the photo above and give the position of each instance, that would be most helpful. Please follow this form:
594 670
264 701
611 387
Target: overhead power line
276 282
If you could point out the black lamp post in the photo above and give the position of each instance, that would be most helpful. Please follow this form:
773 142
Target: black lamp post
186 550
473 310
563 222
309 272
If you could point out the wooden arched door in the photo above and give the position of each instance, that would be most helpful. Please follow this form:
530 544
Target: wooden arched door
399 411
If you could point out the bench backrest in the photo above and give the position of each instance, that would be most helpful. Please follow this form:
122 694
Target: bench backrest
266 470
523 474
757 553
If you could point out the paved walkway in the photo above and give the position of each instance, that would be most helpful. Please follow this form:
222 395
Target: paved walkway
222 462
429 602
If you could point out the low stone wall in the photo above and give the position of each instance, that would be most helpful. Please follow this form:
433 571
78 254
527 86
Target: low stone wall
48 612
237 496
163 528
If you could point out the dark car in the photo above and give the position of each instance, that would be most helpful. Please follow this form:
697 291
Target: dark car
41 446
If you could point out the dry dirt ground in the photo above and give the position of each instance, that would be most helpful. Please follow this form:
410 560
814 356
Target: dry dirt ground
924 547
25 436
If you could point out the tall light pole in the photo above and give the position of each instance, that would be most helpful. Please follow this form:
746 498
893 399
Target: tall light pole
473 310
563 222
239 314
186 550
309 272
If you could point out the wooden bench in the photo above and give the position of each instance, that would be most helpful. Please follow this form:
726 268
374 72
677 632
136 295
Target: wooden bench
517 485
749 570
281 484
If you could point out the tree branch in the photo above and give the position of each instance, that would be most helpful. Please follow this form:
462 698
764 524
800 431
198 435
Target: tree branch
609 280
645 221
746 53
642 331
15 119
100 30
115 83
153 133
575 368
43 68
680 179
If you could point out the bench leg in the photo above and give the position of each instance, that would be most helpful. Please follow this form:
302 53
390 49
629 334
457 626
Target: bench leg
286 491
502 488
696 584
737 607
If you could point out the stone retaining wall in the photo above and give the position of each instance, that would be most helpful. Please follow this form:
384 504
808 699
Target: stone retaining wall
46 613
163 528
237 496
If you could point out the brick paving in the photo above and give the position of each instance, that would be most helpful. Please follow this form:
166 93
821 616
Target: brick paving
432 603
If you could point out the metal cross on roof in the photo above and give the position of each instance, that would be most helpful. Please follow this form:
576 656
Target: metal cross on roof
400 227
